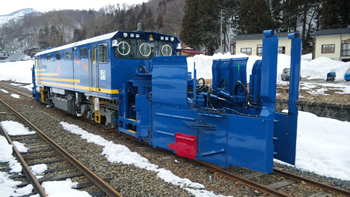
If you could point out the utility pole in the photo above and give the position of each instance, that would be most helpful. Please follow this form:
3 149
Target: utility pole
221 48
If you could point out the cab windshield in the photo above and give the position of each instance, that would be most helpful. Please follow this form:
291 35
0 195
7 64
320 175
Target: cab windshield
142 49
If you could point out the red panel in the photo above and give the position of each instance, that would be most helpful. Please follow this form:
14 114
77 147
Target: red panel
185 145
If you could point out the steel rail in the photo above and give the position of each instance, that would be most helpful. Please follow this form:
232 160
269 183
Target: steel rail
107 189
28 173
18 91
245 181
311 182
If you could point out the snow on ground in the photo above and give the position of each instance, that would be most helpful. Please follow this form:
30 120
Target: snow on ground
310 69
4 91
14 128
63 188
20 147
121 154
20 71
321 145
8 187
15 96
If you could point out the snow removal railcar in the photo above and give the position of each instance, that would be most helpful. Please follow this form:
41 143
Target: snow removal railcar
137 83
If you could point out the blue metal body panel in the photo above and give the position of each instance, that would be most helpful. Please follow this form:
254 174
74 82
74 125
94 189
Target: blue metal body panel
285 132
87 74
160 104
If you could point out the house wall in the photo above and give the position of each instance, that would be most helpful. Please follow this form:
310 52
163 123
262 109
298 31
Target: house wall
286 43
254 45
247 44
333 39
322 40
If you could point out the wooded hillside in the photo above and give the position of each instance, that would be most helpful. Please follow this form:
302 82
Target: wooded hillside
195 22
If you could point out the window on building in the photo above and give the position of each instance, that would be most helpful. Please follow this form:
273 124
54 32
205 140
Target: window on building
58 56
68 55
345 49
282 50
102 53
83 52
247 51
328 48
48 57
259 50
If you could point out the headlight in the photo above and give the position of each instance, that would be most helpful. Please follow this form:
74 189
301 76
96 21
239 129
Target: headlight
125 35
172 39
114 43
178 47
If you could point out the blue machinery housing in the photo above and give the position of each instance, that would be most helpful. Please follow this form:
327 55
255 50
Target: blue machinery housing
136 82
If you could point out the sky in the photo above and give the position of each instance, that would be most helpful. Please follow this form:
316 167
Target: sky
42 6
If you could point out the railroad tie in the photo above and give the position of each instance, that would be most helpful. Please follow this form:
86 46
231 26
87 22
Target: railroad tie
281 184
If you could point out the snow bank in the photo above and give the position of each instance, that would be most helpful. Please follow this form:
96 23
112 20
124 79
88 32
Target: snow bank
311 69
318 68
322 146
314 69
17 71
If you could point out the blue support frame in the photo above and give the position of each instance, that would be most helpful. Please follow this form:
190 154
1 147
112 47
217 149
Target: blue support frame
285 133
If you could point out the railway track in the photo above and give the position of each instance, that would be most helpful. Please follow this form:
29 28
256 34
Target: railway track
251 179
287 179
18 90
45 150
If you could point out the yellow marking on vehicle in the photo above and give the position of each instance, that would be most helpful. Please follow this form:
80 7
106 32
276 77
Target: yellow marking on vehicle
46 74
107 91
131 119
131 131
59 79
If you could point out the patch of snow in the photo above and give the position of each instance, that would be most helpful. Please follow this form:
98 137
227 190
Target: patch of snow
20 147
63 188
14 128
15 96
38 169
121 154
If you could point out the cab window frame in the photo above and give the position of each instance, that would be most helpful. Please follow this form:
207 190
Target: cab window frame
83 52
102 53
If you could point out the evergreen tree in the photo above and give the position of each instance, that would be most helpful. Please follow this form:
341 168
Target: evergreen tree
190 25
290 13
335 14
132 21
43 35
149 23
78 35
255 17
330 18
276 11
209 25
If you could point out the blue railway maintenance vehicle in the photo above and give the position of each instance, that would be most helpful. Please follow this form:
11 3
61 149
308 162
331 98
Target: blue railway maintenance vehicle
137 82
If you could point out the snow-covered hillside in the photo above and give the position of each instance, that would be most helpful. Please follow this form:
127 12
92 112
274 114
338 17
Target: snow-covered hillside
15 15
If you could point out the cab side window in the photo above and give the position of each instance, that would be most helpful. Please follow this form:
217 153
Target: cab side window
102 53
